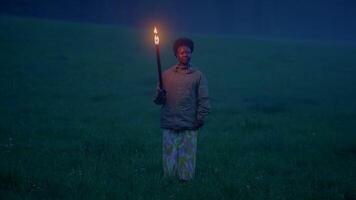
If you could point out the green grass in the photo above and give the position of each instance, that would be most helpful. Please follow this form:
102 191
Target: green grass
78 122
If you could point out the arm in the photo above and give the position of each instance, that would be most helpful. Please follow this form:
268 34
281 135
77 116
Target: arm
203 108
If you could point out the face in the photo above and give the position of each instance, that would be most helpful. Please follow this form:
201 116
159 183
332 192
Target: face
183 55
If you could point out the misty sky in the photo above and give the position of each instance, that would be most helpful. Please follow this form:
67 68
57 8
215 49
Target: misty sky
310 19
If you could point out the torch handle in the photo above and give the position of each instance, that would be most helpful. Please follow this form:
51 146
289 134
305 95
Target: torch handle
159 67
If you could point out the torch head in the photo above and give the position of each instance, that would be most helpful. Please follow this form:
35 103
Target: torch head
156 38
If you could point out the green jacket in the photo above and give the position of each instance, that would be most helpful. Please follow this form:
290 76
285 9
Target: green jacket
187 98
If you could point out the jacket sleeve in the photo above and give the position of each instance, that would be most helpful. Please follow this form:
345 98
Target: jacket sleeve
203 98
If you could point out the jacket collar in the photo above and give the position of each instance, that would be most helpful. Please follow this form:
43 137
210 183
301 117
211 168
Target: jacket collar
184 69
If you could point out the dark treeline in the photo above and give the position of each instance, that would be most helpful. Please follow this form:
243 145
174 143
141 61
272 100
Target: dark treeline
313 19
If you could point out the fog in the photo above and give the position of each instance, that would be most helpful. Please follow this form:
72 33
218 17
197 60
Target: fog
315 19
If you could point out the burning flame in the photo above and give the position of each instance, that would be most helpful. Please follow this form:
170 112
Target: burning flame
156 36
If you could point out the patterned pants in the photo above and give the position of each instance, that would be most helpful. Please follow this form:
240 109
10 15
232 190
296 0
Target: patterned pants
179 149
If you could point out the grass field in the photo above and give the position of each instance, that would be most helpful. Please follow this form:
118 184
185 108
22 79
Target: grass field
78 121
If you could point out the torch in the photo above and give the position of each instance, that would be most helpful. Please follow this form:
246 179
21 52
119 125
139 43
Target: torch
156 39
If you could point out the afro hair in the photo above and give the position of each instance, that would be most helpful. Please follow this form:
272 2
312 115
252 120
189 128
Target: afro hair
183 42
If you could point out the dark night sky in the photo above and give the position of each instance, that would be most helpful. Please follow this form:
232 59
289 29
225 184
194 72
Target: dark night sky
311 19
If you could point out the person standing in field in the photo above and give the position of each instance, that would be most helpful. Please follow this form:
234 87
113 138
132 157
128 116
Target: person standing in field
184 101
